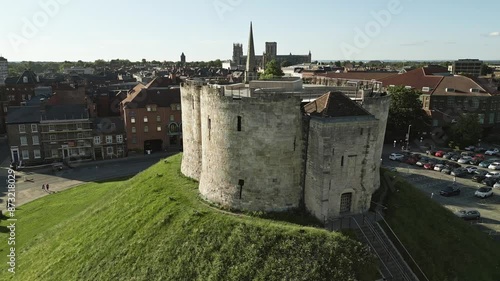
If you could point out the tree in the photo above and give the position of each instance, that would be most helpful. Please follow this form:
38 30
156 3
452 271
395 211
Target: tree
272 70
485 69
338 64
406 109
467 131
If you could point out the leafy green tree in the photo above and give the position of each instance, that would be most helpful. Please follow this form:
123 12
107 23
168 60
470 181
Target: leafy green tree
272 70
338 64
467 131
406 109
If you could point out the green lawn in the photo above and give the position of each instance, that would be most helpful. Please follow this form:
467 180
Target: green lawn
154 227
445 247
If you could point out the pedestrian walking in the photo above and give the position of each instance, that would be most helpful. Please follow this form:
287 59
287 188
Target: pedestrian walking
47 187
43 186
395 143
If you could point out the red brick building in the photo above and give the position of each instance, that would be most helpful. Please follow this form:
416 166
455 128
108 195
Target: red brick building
152 116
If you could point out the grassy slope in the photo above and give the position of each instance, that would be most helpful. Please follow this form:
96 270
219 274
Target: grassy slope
445 247
155 228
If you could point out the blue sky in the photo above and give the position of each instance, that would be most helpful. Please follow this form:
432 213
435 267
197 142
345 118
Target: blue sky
206 29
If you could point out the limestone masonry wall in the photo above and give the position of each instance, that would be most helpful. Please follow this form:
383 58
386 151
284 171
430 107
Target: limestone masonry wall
251 151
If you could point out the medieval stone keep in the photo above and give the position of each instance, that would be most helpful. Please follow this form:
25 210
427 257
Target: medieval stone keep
269 152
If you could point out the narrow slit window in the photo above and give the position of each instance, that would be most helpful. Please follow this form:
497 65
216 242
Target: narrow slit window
239 124
240 185
342 161
209 127
361 132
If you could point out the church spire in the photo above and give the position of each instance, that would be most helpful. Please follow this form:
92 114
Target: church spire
250 70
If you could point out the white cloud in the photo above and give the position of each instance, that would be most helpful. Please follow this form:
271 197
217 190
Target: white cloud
494 34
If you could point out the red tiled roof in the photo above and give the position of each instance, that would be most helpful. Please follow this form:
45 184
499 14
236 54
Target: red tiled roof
417 79
358 75
461 86
334 104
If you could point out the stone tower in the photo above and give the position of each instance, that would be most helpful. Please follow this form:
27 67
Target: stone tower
250 70
4 70
183 58
237 53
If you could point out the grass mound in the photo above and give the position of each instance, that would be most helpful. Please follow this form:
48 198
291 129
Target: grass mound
154 227
444 246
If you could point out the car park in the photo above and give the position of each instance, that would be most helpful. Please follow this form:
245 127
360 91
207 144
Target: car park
446 170
480 149
464 159
422 161
471 169
467 153
494 166
430 152
492 151
448 155
429 166
486 163
493 175
396 156
459 172
468 214
470 148
489 181
476 160
484 192
497 185
450 191
455 157
479 175
410 161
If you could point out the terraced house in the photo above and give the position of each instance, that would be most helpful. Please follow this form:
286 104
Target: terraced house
23 130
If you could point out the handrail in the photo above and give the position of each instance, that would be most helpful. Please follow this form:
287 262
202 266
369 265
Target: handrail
401 243
368 240
400 267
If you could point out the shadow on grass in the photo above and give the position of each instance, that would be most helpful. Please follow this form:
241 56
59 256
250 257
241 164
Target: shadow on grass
295 216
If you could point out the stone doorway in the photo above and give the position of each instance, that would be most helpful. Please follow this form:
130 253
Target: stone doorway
345 203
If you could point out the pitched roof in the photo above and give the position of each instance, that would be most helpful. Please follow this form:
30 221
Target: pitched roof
159 91
334 104
417 79
360 75
23 114
65 112
108 125
461 85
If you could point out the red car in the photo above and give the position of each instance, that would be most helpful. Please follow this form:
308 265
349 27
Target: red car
429 166
411 161
439 153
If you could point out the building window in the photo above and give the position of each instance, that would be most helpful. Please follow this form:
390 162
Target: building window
209 127
54 153
481 118
145 119
133 130
109 150
171 118
158 118
22 128
435 122
51 128
97 139
342 161
34 128
132 120
146 129
26 155
239 124
119 150
24 141
36 153
35 139
109 139
178 106
361 132
151 108
134 139
52 137
81 151
158 128
119 138
79 126
79 135
492 118
240 186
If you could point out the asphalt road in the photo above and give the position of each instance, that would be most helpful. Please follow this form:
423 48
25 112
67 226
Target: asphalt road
29 183
431 182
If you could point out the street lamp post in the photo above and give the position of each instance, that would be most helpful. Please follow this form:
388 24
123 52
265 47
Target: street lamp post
408 137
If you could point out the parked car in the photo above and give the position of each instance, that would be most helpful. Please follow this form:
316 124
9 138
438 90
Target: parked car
497 185
422 161
455 157
450 191
438 167
476 160
479 175
430 152
494 166
492 151
485 163
446 170
410 161
480 149
429 165
448 155
467 153
439 153
471 169
459 172
468 214
470 148
489 181
396 156
464 159
495 175
484 192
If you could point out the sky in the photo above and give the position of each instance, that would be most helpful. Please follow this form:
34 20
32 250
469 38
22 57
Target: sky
58 30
